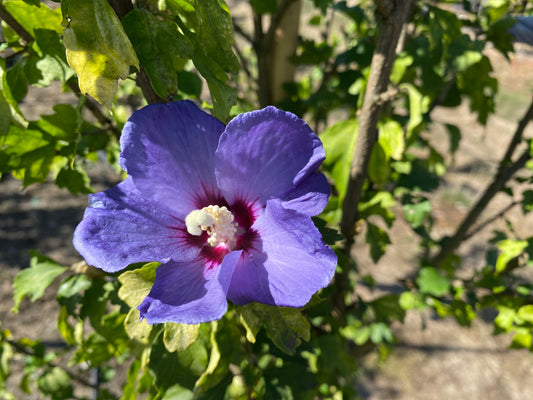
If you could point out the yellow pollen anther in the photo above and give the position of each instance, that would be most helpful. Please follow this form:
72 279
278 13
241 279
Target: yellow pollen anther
216 221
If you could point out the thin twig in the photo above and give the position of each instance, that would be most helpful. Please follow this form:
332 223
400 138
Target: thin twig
490 220
506 170
13 24
238 29
21 349
95 109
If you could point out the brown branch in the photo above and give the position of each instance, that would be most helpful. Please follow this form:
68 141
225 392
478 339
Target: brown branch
506 170
490 220
13 24
95 109
263 43
391 16
276 19
391 24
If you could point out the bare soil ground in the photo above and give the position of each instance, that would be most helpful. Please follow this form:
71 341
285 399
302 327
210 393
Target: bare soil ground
435 359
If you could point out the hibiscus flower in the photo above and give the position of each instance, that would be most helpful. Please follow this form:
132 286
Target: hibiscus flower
225 210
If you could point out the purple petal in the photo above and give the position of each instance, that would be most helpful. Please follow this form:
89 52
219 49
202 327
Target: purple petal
121 227
189 293
287 265
266 154
310 197
169 151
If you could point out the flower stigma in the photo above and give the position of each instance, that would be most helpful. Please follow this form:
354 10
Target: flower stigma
217 221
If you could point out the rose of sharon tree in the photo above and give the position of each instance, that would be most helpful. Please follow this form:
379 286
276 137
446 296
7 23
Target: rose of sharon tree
222 265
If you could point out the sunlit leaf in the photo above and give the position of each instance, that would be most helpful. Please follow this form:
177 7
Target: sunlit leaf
98 49
178 337
431 281
509 249
57 383
135 329
35 280
137 284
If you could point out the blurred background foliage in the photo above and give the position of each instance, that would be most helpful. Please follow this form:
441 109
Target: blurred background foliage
118 55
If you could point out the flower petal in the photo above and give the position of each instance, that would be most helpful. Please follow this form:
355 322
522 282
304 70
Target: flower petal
310 197
121 227
169 150
266 154
287 265
188 293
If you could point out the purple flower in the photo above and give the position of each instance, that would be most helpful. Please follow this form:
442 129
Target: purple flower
225 210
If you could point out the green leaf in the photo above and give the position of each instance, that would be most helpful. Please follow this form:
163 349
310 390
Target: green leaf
378 167
62 125
47 61
264 6
379 204
522 338
98 49
17 81
63 326
410 301
505 318
14 116
380 333
509 249
527 201
159 46
56 383
285 326
391 139
183 368
378 240
189 83
135 329
5 115
33 2
525 313
481 87
417 213
215 33
432 282
339 141
137 284
178 337
418 106
34 280
74 179
455 137
32 18
178 392
224 351
224 96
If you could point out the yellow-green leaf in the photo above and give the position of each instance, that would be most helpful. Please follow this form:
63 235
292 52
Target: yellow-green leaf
98 49
136 284
178 337
137 330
